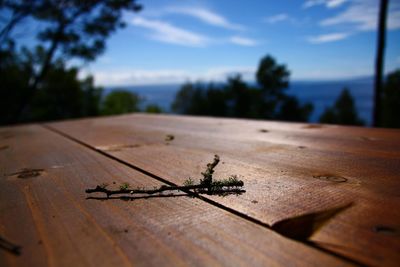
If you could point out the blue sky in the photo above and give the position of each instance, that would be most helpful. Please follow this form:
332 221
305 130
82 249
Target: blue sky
176 41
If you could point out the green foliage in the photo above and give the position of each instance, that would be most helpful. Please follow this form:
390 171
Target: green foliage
152 108
242 101
14 78
68 29
119 102
75 28
188 182
272 77
238 99
232 181
342 112
391 101
124 186
292 110
198 99
60 95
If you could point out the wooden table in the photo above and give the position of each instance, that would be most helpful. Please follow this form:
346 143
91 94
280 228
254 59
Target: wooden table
288 169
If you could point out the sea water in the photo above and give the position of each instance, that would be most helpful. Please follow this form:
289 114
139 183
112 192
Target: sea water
321 94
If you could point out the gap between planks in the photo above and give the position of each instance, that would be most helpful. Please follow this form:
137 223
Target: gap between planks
205 199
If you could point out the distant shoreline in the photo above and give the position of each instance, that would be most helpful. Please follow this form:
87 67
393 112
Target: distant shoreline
321 93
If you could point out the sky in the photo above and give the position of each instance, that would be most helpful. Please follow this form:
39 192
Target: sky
183 40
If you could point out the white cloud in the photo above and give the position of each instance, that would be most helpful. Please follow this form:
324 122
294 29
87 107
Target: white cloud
335 3
277 18
165 32
311 3
325 38
167 76
331 74
137 77
327 3
243 41
206 16
363 15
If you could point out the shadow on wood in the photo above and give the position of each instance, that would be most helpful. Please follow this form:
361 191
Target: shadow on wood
304 226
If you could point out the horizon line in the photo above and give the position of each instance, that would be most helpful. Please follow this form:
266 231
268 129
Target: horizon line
309 80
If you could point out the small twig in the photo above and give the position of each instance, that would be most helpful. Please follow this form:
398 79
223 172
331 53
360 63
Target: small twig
232 185
199 188
207 175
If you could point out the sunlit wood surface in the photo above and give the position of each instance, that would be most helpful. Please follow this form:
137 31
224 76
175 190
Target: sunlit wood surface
289 169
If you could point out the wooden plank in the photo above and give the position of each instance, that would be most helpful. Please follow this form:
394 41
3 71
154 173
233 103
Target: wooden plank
45 211
288 168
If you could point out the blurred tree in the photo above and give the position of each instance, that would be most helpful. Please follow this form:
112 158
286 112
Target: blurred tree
214 101
272 77
190 99
69 29
183 99
60 95
292 110
342 112
273 80
119 102
238 99
14 11
152 108
15 73
200 99
391 101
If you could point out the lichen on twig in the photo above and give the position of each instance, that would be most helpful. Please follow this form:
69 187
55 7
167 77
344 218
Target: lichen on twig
231 185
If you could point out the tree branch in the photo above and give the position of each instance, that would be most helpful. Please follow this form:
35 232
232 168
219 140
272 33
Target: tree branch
216 187
206 185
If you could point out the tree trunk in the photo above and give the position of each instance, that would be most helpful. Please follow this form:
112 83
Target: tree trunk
379 62
39 77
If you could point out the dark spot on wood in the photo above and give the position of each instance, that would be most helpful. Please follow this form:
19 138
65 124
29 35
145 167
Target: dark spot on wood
383 229
118 230
10 247
40 242
6 135
263 131
4 147
28 173
330 178
254 201
301 147
116 148
313 126
366 138
114 182
169 137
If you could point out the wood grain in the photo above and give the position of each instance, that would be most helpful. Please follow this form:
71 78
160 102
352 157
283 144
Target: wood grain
45 211
289 169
